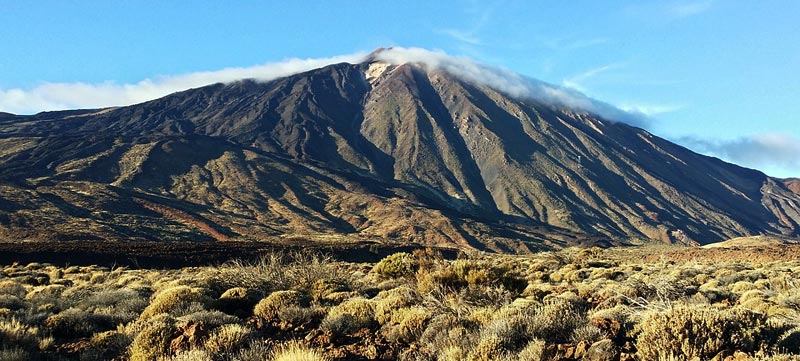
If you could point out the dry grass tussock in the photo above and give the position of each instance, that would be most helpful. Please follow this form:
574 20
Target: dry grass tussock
620 304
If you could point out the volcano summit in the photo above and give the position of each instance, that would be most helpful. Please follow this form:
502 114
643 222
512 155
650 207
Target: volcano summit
439 151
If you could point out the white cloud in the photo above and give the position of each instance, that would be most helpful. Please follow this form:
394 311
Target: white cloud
577 81
771 151
650 110
510 83
58 96
462 36
661 12
55 96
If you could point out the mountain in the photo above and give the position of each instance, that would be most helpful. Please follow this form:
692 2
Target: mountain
395 152
793 184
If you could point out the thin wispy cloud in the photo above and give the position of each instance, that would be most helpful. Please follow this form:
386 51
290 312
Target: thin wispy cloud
667 11
582 81
578 81
688 8
650 110
765 151
566 44
59 96
462 36
469 36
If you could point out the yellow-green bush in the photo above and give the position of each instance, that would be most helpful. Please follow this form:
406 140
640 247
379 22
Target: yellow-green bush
173 299
326 290
463 273
9 287
295 351
15 333
350 316
110 344
269 306
536 350
390 300
699 332
555 321
188 355
444 277
396 265
154 339
227 338
407 324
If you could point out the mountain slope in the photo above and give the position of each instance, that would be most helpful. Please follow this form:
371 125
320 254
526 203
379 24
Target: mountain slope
372 150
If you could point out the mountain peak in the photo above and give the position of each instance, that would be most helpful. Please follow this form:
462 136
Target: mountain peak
410 156
371 57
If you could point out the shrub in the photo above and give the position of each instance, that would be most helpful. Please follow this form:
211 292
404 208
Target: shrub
588 333
447 332
350 316
789 341
536 350
327 290
503 335
13 288
698 332
752 295
298 270
269 306
256 350
153 341
444 278
15 333
121 300
77 323
210 319
14 354
110 344
227 338
490 347
390 300
603 350
452 353
172 300
484 273
555 321
295 351
407 324
297 315
237 300
11 302
396 265
49 293
188 355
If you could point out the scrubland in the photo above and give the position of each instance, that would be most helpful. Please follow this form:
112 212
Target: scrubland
654 303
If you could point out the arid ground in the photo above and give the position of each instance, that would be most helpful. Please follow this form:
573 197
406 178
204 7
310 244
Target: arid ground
645 303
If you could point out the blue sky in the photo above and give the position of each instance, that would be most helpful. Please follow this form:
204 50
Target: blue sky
721 77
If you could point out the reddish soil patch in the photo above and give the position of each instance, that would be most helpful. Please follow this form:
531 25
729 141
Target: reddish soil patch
793 184
747 254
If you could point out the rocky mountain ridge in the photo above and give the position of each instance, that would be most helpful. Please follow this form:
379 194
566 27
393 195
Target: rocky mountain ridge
381 151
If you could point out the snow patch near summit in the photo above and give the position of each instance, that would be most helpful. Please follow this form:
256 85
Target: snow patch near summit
376 70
